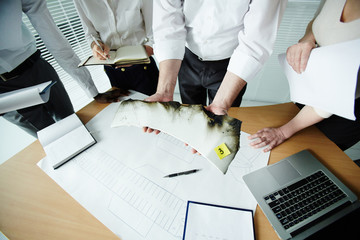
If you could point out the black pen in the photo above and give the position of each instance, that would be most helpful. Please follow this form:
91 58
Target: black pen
182 173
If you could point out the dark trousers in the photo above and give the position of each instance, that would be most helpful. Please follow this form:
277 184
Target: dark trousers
141 77
201 79
35 118
343 132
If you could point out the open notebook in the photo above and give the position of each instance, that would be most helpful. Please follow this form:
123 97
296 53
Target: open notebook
65 139
126 55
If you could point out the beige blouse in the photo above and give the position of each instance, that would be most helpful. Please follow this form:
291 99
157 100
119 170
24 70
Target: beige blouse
329 29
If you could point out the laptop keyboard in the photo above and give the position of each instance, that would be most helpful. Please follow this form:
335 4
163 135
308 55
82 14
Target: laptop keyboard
299 201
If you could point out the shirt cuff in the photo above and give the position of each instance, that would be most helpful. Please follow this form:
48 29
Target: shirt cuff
166 50
244 66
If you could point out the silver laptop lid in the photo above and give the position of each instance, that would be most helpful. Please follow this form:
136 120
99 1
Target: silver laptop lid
270 179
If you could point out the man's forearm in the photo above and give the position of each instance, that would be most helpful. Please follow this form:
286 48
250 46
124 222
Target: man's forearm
228 91
168 73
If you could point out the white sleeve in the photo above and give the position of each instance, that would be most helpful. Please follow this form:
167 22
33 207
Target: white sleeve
147 12
169 30
87 25
257 39
58 46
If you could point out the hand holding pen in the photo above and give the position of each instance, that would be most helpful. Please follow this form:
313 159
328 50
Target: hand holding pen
99 49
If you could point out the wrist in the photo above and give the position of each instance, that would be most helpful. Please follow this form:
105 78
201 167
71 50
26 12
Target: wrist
309 40
165 90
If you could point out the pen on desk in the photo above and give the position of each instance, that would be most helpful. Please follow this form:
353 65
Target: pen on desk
182 173
98 44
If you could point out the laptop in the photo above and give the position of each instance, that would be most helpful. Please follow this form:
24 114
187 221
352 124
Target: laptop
300 196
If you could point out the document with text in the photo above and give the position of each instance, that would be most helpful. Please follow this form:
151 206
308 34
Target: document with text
329 80
120 180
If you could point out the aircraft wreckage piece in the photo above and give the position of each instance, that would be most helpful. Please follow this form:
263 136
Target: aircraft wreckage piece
215 137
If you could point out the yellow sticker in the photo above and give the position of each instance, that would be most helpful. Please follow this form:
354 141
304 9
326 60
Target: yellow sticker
222 151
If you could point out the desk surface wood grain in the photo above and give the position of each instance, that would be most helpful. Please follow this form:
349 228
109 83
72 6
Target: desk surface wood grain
33 206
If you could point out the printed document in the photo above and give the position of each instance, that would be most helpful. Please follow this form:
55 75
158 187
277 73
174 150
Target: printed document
329 80
120 180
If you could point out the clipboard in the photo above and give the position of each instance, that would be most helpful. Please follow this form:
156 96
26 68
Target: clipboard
205 221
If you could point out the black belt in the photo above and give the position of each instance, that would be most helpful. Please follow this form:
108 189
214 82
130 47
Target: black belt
19 70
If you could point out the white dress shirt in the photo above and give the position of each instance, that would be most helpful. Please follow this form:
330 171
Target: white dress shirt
241 29
117 23
18 43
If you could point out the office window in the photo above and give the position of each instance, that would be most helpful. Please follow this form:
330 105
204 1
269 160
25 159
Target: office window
271 85
68 21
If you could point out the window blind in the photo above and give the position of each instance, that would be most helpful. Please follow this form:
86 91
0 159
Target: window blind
66 18
271 85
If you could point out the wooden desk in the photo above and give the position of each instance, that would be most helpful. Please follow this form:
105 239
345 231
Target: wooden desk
33 206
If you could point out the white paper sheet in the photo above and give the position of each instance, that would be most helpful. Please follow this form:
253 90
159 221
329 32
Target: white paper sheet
329 80
25 97
120 180
211 222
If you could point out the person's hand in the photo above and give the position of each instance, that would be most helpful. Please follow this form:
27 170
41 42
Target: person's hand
98 53
149 50
217 110
270 137
157 97
111 96
298 55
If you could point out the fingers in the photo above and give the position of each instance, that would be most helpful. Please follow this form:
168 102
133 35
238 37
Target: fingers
258 134
267 149
99 53
106 50
218 110
293 56
270 137
102 52
158 97
298 55
151 130
303 61
149 50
